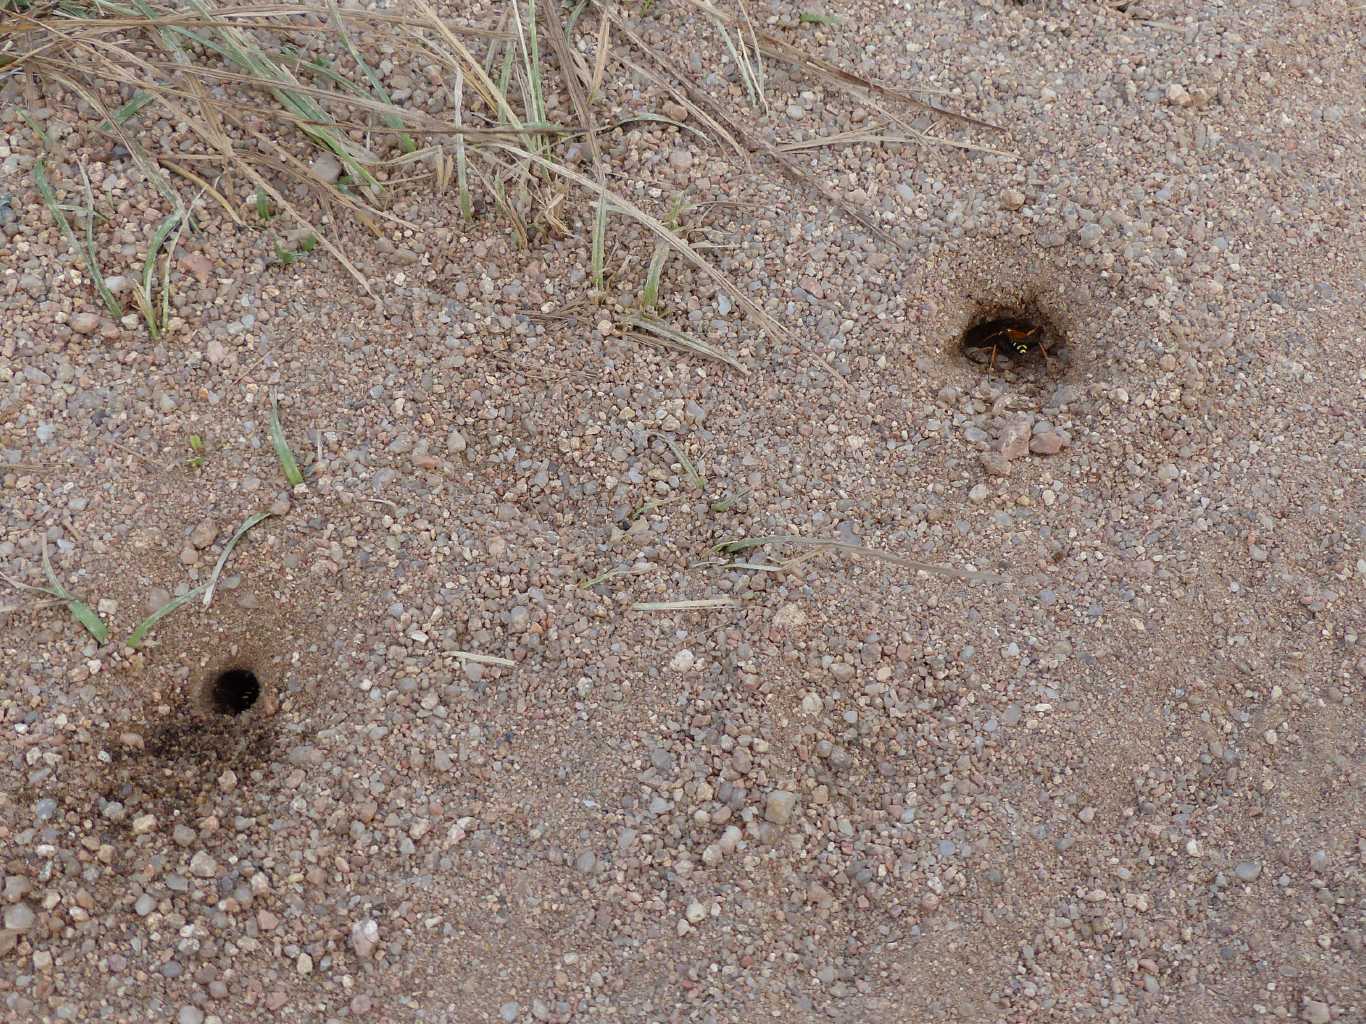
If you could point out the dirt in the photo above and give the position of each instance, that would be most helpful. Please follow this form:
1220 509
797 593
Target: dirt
1105 765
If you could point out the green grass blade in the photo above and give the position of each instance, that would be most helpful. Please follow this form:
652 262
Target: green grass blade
139 634
149 266
729 501
80 611
733 547
35 128
391 120
288 465
649 292
695 479
247 524
44 186
314 121
86 616
92 261
166 271
128 111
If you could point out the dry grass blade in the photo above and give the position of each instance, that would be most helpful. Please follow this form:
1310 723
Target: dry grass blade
785 163
765 320
490 93
265 186
857 550
877 137
583 108
685 606
751 68
208 188
290 93
600 59
613 573
462 174
147 165
782 50
97 44
681 98
248 523
483 659
666 337
12 609
598 243
570 72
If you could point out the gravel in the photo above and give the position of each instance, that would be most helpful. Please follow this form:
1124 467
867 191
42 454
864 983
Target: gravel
1117 781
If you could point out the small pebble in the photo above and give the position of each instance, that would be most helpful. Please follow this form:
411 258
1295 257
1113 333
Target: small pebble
779 807
85 323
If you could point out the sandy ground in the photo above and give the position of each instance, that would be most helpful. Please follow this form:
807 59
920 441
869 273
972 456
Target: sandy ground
1118 780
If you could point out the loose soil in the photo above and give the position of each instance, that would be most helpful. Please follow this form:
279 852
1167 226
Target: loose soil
1117 777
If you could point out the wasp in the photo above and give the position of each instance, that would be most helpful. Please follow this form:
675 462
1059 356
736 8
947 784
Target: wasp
1017 337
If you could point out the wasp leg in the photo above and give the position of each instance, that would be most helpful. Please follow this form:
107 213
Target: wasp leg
1048 364
991 366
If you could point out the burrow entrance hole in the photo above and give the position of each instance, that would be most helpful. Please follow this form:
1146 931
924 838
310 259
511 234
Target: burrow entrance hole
234 690
1001 341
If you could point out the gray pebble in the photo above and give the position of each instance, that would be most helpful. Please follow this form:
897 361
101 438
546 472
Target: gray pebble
202 865
779 807
19 917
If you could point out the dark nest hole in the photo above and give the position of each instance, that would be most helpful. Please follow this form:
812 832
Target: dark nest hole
1008 340
234 690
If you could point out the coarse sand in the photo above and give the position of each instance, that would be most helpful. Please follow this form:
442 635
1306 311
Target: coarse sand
425 757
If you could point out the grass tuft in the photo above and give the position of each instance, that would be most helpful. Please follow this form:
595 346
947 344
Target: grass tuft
263 107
